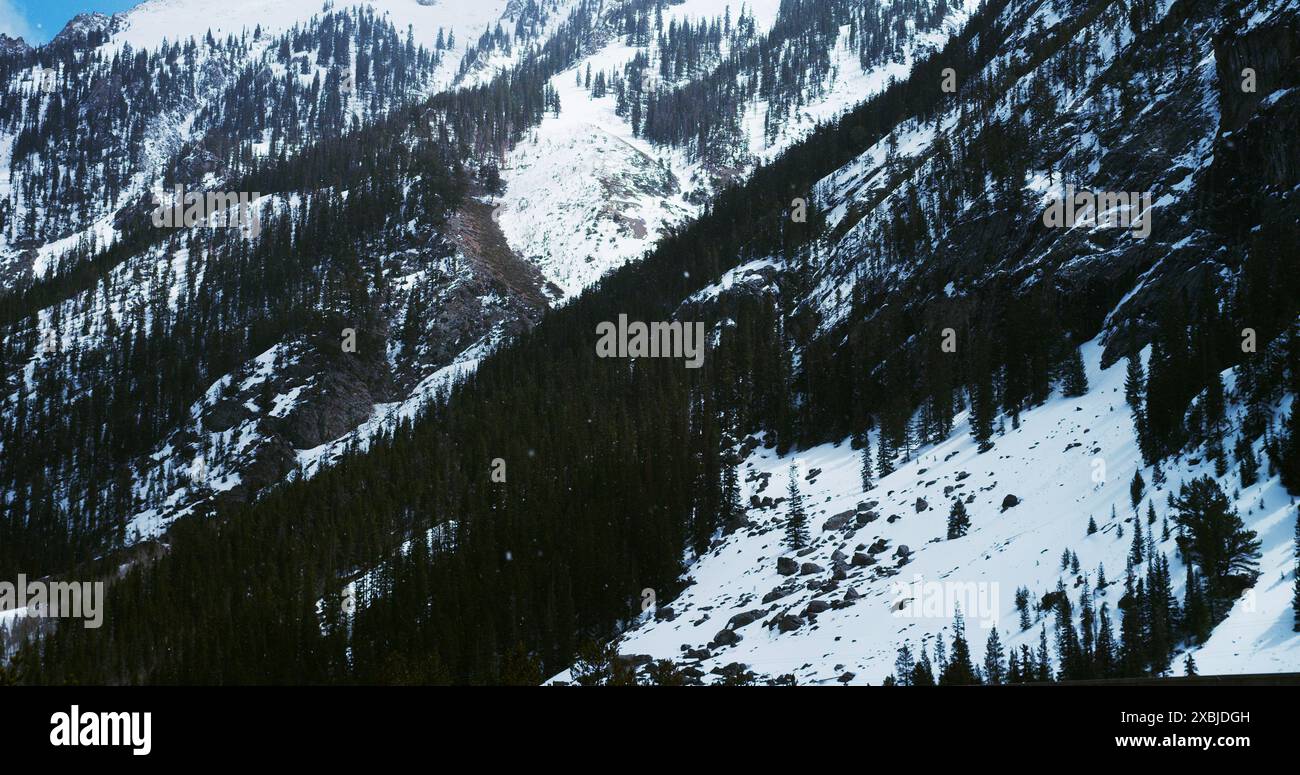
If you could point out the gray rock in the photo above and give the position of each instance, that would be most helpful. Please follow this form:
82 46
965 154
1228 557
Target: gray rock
921 505
816 607
809 568
725 638
789 623
787 566
744 618
839 521
779 592
1010 501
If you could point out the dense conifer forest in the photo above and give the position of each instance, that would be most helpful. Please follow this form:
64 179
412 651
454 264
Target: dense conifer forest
617 471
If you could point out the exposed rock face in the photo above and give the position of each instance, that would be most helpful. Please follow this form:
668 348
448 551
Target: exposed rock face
13 46
1270 52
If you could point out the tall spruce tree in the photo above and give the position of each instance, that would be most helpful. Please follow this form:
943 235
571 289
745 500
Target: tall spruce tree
866 467
1044 659
1134 383
995 667
1105 658
958 520
960 670
904 666
1074 380
923 670
1132 630
796 523
1136 549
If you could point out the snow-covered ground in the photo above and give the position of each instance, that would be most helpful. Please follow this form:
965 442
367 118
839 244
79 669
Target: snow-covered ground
585 195
153 21
1070 460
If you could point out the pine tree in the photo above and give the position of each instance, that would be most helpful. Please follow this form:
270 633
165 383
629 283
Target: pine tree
1105 656
982 408
1044 660
1067 638
866 469
995 668
733 510
1135 550
884 458
1074 379
1028 666
1092 525
1022 605
1213 536
1189 665
1134 383
959 671
1162 615
1014 675
904 666
1132 628
1196 616
1247 463
958 520
1136 488
796 525
923 671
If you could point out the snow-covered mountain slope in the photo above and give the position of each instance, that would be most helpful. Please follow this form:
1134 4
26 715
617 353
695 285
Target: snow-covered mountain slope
587 192
921 232
203 112
151 22
837 617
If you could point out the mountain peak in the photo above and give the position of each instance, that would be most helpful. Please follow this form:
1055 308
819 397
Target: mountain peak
10 45
84 24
